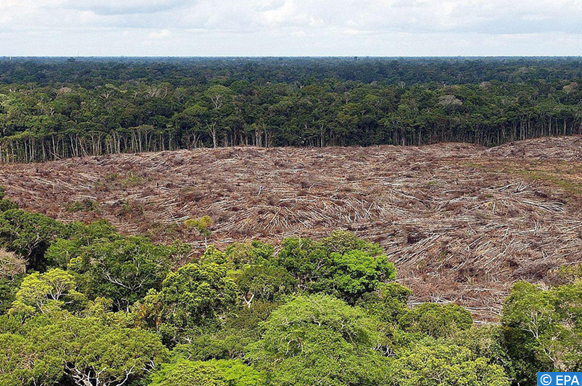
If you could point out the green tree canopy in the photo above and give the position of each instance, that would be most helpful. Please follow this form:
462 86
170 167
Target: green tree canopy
41 293
211 373
29 235
319 339
123 270
439 365
196 297
22 364
61 251
436 320
389 303
341 265
544 328
82 350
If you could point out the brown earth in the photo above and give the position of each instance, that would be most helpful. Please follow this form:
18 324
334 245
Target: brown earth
461 222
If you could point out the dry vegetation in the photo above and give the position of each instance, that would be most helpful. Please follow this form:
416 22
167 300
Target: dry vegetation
461 222
10 264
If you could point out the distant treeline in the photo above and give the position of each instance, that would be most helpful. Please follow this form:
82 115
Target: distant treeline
57 108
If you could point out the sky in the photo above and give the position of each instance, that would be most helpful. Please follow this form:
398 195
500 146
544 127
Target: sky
290 28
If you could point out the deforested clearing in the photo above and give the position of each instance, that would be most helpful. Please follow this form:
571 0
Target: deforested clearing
461 222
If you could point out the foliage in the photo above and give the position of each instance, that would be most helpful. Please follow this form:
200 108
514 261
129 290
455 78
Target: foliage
436 320
61 251
302 258
123 270
86 205
52 109
211 373
249 319
341 264
225 344
264 282
23 364
8 288
318 339
202 224
388 303
83 351
6 204
432 365
240 330
237 255
108 307
43 292
93 352
355 273
544 328
570 274
213 255
487 342
195 297
342 242
29 235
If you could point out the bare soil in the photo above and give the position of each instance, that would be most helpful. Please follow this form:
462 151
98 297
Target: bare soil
461 222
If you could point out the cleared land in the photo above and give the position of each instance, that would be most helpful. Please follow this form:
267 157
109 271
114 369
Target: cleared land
461 222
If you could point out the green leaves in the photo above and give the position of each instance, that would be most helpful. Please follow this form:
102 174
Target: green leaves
341 264
356 273
210 373
29 235
250 317
83 350
202 224
436 320
318 339
185 373
544 327
14 372
122 107
123 270
40 293
6 204
194 297
388 303
264 282
315 311
91 351
435 365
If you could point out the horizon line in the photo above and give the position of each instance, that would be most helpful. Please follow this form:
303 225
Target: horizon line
285 56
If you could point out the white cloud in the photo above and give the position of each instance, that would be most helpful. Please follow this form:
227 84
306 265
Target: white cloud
291 27
161 34
121 7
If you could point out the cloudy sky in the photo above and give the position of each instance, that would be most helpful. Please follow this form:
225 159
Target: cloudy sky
289 27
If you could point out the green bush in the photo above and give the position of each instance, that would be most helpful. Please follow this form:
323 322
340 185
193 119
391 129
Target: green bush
436 320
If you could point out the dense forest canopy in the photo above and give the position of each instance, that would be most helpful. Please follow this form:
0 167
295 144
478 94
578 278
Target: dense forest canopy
52 108
92 72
